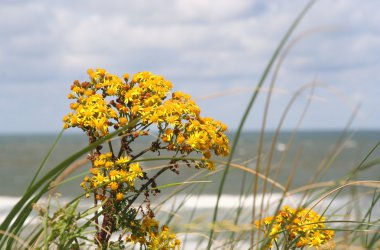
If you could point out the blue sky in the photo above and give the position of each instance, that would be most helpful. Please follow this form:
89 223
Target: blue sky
214 50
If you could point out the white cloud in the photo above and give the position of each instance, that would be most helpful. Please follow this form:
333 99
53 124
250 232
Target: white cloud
202 46
200 10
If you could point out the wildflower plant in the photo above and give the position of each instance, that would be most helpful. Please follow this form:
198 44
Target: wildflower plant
116 178
295 228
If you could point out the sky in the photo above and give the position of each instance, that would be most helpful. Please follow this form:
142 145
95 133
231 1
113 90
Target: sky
214 50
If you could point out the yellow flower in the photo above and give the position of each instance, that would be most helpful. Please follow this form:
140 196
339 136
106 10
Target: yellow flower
123 121
275 229
302 242
177 243
134 172
94 171
316 242
109 164
91 73
210 165
66 118
268 220
74 105
154 118
98 180
114 174
135 168
207 154
119 196
195 140
89 92
180 139
172 120
123 160
114 186
135 109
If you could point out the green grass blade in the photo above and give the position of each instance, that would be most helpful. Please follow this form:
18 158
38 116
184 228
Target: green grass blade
46 159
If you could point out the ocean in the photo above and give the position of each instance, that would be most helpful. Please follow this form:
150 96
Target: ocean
21 155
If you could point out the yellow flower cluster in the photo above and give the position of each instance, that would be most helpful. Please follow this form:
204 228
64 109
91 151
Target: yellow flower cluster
186 131
107 101
90 112
145 93
117 176
302 227
150 237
